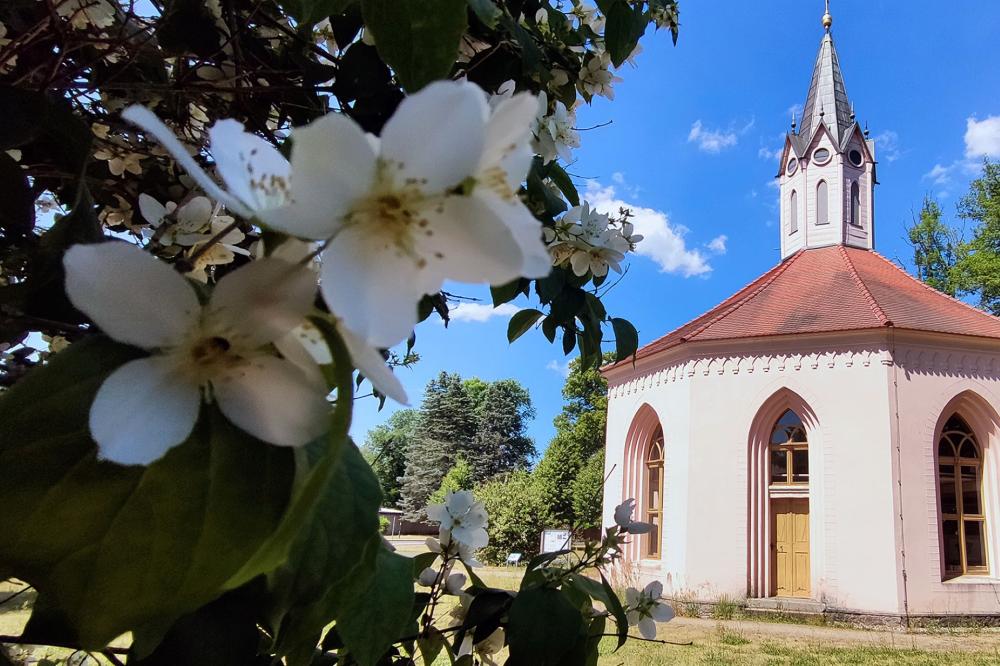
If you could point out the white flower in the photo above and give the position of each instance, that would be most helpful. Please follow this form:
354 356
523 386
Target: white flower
433 198
596 78
595 246
120 161
623 516
462 517
151 404
83 13
428 577
486 648
556 135
644 609
454 583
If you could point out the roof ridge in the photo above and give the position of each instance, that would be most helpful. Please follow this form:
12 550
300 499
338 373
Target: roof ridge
876 308
931 289
782 267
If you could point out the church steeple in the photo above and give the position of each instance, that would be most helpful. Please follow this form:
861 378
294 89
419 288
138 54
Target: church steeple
827 173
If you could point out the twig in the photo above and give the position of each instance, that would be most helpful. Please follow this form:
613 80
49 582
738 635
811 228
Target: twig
16 594
652 640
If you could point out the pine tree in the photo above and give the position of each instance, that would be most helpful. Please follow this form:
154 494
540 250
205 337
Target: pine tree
447 426
501 445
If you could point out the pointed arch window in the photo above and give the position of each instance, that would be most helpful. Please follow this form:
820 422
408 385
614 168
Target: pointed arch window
653 497
789 451
960 482
855 204
793 217
822 203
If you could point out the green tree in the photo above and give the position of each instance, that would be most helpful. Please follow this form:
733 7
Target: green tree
580 429
933 243
459 477
587 491
516 509
447 426
503 410
385 450
977 270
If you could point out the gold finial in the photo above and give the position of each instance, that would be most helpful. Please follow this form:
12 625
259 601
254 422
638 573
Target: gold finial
827 18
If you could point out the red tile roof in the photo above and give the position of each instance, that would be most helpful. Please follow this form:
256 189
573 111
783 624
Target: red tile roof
830 289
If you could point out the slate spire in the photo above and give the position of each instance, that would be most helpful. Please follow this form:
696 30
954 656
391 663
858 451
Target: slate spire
827 99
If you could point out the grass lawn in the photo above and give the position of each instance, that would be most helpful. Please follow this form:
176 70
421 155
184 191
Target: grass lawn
712 642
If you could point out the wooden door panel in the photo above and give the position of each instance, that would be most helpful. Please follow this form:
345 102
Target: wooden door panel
790 550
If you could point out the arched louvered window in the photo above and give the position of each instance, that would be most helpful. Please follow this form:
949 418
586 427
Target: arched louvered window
789 451
855 204
822 203
960 481
793 214
653 500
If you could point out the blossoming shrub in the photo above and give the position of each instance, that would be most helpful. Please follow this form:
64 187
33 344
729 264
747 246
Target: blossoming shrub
218 220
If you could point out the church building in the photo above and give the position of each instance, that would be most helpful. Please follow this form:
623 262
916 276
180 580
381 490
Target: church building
827 439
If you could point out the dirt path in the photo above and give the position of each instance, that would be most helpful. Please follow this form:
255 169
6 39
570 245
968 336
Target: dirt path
945 640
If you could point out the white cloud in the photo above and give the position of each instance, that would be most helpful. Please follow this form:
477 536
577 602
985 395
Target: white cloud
618 177
663 241
718 244
481 312
940 174
795 111
561 368
982 137
711 141
887 143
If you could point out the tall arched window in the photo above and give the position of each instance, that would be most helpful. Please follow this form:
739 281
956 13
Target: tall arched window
789 451
822 203
855 204
960 480
793 225
653 500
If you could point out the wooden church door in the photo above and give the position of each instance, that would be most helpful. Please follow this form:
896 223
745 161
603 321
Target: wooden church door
790 551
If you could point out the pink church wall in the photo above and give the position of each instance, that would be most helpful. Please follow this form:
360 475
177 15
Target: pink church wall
716 532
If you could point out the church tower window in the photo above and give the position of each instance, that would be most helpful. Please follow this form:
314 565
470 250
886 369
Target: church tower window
855 204
960 481
822 203
793 216
653 500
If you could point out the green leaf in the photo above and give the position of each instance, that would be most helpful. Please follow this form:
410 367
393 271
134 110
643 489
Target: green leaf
486 612
421 561
623 28
314 11
417 38
542 626
564 183
23 112
521 322
569 339
187 28
380 610
549 326
110 548
505 293
614 606
626 338
487 12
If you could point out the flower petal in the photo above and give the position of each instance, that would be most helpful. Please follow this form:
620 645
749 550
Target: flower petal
662 612
252 168
439 514
473 537
469 241
370 363
132 296
273 400
436 136
654 590
527 231
148 122
647 627
508 134
142 410
371 288
263 300
333 165
152 210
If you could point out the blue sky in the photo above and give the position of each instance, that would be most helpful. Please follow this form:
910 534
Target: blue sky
691 147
